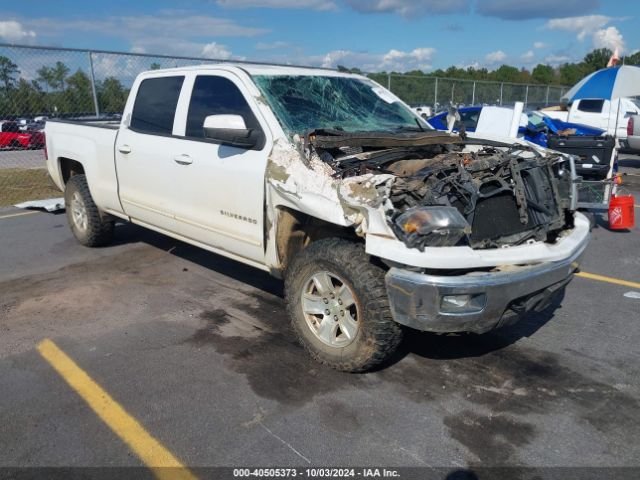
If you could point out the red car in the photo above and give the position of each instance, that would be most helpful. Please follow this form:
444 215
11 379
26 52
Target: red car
12 137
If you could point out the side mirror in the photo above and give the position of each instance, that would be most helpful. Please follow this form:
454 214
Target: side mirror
231 130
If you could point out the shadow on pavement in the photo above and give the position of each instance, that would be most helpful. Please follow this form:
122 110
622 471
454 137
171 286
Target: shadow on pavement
127 233
424 344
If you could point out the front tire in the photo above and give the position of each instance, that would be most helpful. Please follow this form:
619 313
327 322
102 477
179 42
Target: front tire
338 305
85 220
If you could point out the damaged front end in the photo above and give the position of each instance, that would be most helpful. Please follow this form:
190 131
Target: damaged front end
443 190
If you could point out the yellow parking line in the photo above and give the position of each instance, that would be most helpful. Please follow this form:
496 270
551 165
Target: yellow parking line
602 278
163 464
30 212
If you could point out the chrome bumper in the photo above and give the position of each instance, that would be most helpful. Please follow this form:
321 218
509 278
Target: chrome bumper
495 298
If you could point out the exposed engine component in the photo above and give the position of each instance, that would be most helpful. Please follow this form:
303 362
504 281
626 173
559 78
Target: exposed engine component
450 193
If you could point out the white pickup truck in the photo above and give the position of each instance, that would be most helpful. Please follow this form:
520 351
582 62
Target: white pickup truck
600 113
633 133
329 181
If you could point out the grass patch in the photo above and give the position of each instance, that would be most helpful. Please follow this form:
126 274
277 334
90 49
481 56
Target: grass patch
23 184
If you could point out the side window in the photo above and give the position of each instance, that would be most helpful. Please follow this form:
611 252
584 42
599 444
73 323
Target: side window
470 119
216 96
155 105
591 106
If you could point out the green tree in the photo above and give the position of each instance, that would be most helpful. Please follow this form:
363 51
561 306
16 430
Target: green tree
60 72
111 95
27 98
507 73
8 70
543 74
597 59
154 66
572 73
633 59
79 96
45 75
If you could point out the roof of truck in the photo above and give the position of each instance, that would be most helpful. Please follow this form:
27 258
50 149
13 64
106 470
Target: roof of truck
262 69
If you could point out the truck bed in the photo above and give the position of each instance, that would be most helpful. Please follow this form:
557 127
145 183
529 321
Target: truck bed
90 142
97 122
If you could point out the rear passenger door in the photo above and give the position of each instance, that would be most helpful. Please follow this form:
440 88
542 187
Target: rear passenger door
145 152
221 201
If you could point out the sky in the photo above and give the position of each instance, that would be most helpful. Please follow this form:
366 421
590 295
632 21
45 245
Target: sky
373 35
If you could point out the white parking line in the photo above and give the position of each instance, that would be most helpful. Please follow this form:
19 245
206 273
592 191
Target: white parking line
21 214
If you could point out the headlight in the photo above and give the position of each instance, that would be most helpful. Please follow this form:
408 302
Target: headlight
431 226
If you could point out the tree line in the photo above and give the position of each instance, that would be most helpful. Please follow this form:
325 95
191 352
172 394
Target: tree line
56 91
418 86
565 74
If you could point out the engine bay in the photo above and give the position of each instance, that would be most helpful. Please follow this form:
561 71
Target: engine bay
448 191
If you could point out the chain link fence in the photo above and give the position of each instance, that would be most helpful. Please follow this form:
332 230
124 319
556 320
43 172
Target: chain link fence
37 83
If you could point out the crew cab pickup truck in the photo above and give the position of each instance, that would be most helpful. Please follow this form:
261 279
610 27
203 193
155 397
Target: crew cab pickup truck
374 221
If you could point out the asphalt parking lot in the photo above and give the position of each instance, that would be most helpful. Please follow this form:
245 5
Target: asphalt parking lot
196 349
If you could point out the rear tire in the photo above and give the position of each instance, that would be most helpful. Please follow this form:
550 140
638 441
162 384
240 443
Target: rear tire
339 308
85 220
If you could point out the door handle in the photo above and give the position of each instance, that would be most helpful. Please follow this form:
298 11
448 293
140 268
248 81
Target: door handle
124 149
183 159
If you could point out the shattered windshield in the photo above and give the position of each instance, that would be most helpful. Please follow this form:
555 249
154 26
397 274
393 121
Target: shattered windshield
308 102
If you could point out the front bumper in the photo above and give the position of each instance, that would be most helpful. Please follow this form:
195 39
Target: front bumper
499 298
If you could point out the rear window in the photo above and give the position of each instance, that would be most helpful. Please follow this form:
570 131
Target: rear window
591 106
155 105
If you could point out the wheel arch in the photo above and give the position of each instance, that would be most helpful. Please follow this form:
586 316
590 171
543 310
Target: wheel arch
69 167
296 230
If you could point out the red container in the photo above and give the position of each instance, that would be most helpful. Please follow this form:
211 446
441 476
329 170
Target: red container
621 214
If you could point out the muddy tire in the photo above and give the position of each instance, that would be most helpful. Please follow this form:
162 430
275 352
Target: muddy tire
338 305
87 225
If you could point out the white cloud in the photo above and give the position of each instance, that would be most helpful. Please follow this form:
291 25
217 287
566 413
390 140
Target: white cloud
557 59
475 65
398 60
393 60
410 8
108 65
169 32
594 26
166 26
539 45
14 32
277 45
528 56
581 26
319 5
610 38
217 51
495 57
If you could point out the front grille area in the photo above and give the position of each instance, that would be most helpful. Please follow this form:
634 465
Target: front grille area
498 216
